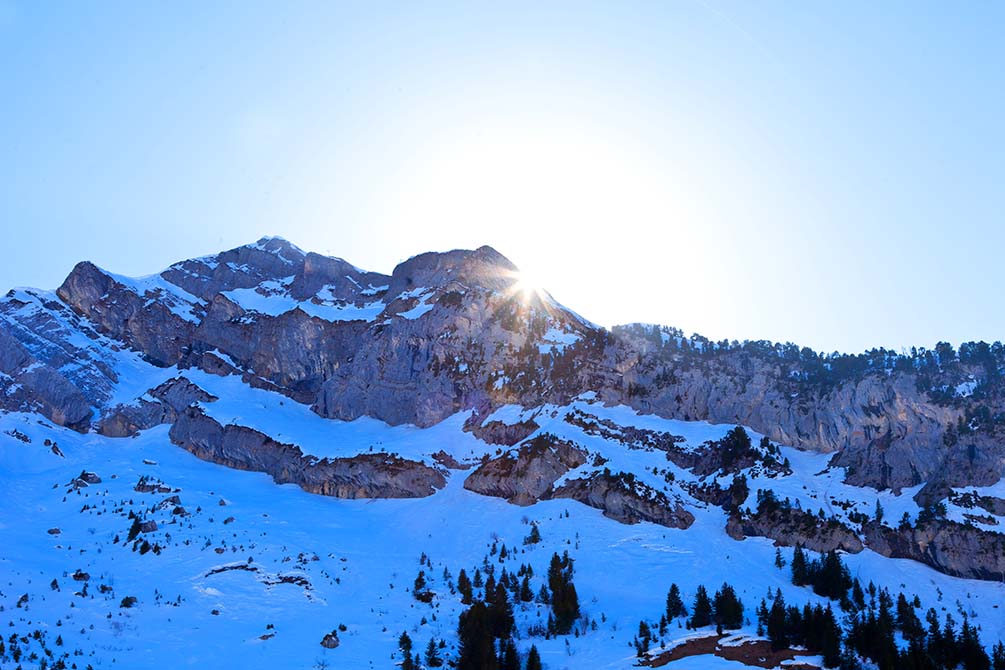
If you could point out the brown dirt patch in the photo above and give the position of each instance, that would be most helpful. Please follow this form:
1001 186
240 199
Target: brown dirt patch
757 653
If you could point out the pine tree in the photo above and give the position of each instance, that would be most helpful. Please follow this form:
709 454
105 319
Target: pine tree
734 445
970 650
908 621
675 606
432 655
508 659
830 639
728 608
419 591
534 536
464 587
799 569
533 659
490 588
832 578
564 599
405 645
701 612
776 624
134 529
998 657
477 646
857 595
501 613
526 595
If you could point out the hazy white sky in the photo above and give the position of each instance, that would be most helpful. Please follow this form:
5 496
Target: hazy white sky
825 173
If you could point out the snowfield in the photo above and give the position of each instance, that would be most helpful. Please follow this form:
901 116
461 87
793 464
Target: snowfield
253 574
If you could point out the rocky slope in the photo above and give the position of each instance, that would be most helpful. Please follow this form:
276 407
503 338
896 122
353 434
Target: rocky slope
449 332
362 476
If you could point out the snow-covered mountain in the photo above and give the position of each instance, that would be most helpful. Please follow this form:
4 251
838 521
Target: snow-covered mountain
255 452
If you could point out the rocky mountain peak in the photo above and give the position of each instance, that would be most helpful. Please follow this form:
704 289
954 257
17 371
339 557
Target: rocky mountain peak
445 332
483 268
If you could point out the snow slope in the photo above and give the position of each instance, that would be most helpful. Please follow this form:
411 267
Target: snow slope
277 562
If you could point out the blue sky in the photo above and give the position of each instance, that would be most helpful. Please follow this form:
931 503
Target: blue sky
825 173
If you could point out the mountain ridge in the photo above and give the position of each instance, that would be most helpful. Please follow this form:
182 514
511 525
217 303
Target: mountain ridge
353 343
255 377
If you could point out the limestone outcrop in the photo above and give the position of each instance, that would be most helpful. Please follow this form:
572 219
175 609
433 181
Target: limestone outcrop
369 475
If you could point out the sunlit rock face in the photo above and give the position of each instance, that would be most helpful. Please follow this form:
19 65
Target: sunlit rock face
452 331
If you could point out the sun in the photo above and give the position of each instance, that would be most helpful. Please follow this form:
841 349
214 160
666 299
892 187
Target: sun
528 287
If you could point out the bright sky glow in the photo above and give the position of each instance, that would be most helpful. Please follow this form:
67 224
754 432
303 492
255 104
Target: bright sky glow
825 173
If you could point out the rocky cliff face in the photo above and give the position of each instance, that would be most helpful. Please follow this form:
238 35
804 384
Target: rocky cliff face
885 426
158 406
622 498
527 475
27 385
446 332
954 548
362 476
789 527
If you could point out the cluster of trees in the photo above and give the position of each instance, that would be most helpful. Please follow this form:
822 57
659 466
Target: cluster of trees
518 585
815 628
724 609
19 649
828 575
433 656
871 633
871 622
734 446
485 629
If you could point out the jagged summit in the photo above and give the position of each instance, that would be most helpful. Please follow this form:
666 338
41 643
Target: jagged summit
484 268
446 331
305 273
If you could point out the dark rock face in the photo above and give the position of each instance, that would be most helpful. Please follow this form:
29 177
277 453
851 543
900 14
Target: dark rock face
526 476
28 385
956 549
170 398
884 426
55 335
485 268
529 474
243 267
789 527
497 432
625 499
147 317
340 277
363 476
